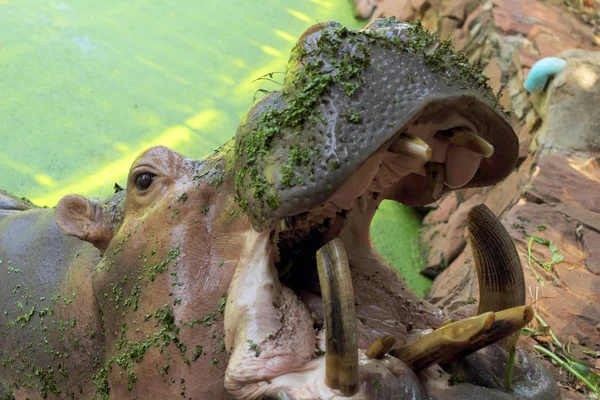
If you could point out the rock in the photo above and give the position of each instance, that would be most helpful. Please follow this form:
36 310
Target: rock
574 93
590 243
364 9
459 9
494 72
448 28
430 20
563 188
446 240
524 145
448 204
456 289
420 5
402 10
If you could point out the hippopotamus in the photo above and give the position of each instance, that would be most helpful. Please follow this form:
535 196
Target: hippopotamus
250 273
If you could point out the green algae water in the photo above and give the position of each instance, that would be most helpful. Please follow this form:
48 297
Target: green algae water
86 86
394 232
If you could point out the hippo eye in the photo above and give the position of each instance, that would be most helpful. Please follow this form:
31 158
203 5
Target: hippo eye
144 180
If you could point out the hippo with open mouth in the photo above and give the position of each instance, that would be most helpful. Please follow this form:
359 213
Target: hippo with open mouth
250 274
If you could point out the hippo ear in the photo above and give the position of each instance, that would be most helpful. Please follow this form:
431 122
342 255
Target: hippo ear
83 218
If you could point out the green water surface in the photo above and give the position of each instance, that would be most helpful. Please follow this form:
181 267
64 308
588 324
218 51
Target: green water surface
85 86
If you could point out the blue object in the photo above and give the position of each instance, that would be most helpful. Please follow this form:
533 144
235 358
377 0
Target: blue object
541 71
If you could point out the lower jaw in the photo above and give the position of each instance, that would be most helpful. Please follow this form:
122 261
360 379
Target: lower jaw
284 324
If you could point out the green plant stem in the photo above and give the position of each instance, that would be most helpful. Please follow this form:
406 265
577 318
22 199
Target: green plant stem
566 366
509 368
530 256
543 323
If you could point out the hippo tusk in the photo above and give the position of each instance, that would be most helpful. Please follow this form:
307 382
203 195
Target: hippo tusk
463 137
411 146
458 339
501 280
436 176
499 271
381 347
341 357
433 347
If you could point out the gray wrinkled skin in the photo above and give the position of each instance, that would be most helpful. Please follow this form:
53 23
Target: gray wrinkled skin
398 85
487 367
9 202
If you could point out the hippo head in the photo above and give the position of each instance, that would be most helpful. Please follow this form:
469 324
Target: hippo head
251 273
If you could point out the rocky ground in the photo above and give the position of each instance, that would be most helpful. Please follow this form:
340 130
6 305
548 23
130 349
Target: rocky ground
551 202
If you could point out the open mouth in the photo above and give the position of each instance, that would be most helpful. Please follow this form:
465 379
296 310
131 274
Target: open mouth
294 324
388 112
445 153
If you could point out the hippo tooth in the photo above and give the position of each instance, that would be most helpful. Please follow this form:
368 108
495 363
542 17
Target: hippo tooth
401 165
344 204
375 186
465 138
461 166
381 347
435 175
362 204
341 357
411 146
501 278
499 271
458 339
285 224
328 213
386 176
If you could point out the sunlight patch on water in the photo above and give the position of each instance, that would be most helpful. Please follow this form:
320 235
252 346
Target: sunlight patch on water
297 14
271 51
121 147
324 3
118 169
285 36
163 71
44 180
202 119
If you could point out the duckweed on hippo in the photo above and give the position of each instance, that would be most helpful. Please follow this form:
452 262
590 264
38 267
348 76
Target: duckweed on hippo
250 274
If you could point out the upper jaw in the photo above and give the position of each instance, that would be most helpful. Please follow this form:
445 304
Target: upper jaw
444 152
339 106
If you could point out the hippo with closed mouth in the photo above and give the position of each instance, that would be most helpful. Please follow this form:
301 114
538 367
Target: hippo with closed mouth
250 274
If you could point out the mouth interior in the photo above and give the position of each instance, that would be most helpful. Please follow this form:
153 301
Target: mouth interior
424 149
281 277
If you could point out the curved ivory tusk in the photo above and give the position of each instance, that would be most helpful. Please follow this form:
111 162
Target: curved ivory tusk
458 339
463 137
381 347
499 271
341 357
434 347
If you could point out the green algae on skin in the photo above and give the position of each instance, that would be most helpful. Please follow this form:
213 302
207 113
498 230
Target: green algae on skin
132 352
309 84
299 157
335 56
54 333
